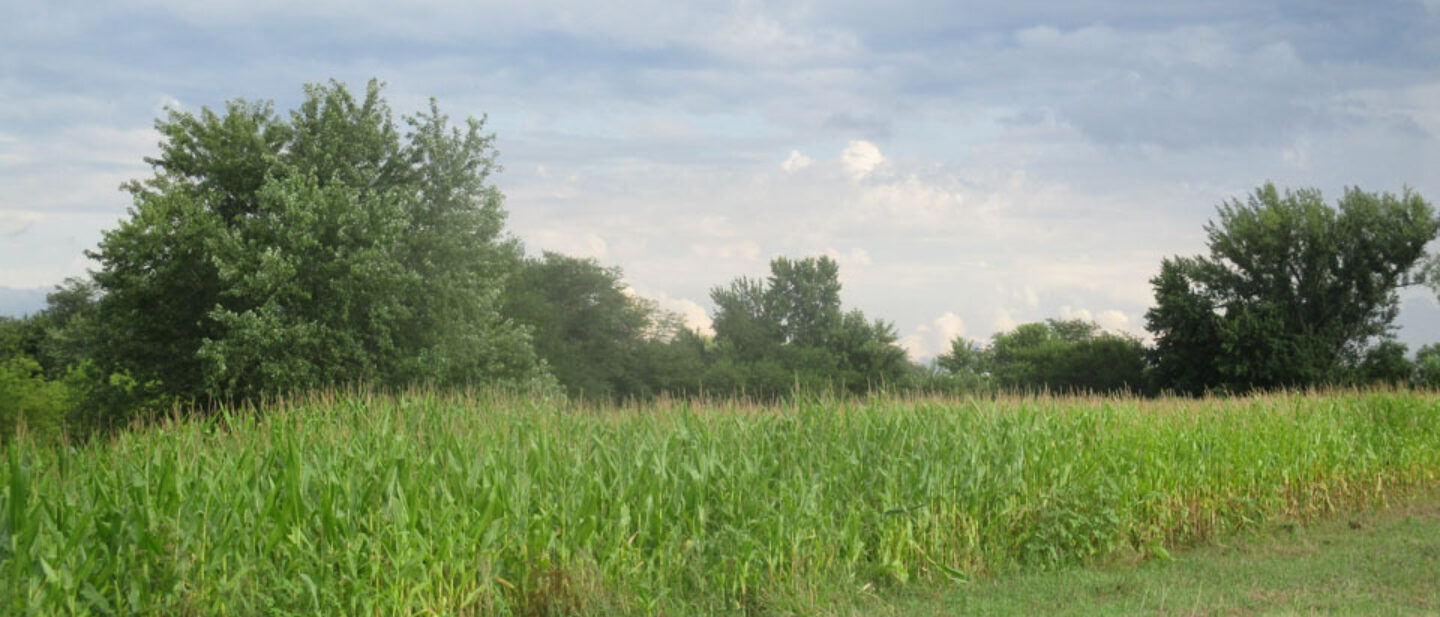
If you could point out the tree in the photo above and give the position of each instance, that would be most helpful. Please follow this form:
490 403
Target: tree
27 397
868 354
803 300
966 357
791 329
1065 356
1290 291
743 320
595 335
1385 363
1427 366
1187 350
961 370
271 254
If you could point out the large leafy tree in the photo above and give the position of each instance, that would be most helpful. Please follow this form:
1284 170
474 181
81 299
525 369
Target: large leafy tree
597 337
1385 363
1427 366
803 300
1059 356
791 328
799 304
1291 291
272 253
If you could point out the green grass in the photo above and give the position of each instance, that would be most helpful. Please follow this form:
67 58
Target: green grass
435 504
1364 563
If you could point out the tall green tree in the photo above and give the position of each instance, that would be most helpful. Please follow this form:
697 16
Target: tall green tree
1186 358
744 321
965 357
803 300
1291 290
596 336
271 253
1427 366
791 328
1385 363
1061 356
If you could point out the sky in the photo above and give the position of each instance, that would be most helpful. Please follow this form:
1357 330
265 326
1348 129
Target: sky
970 165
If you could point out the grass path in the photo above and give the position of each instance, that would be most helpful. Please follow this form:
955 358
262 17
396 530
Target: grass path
1372 563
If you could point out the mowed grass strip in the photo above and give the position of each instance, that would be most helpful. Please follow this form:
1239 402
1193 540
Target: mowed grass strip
489 504
1376 562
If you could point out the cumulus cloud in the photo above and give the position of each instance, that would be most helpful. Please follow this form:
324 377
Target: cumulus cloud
933 338
1003 322
796 162
1113 320
1109 319
860 158
691 313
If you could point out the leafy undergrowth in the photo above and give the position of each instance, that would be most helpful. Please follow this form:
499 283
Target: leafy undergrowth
448 504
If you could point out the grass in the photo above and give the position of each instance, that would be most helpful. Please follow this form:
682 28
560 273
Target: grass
1363 563
447 504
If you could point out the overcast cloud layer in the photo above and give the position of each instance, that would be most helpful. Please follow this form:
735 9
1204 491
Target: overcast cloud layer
970 166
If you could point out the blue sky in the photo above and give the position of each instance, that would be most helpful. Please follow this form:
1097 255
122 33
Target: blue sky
970 165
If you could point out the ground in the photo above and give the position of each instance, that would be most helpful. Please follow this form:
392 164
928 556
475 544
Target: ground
1384 562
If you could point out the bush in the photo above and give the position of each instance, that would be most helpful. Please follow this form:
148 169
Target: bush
28 400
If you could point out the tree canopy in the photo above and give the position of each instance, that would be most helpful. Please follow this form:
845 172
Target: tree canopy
596 336
272 253
1291 292
791 329
1071 356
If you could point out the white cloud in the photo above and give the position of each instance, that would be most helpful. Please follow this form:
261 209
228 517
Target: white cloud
915 346
1113 320
691 312
1003 321
1069 314
856 257
860 158
949 326
1110 319
796 162
933 338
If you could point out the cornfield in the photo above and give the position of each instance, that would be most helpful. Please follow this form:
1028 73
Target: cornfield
452 504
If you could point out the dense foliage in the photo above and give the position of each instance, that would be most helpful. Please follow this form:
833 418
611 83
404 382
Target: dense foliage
273 254
1057 356
1291 291
426 504
789 331
598 338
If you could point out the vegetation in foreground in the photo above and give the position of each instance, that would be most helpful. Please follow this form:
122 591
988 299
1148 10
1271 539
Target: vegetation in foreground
487 504
1363 563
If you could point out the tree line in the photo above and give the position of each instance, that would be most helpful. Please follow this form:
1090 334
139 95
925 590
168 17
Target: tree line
333 245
